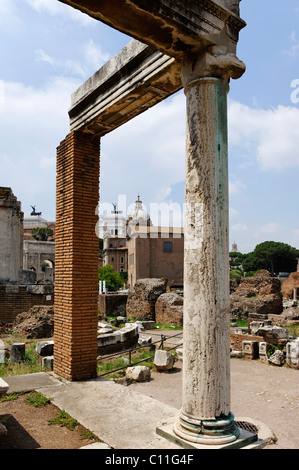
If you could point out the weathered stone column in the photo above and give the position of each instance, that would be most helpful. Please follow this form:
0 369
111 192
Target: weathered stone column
76 257
205 417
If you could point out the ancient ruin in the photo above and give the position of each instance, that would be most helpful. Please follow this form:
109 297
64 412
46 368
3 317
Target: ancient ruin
191 47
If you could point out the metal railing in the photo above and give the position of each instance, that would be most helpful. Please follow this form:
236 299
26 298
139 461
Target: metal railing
163 339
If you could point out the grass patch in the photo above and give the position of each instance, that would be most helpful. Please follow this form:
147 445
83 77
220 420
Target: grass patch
30 365
63 419
86 434
109 365
11 396
241 323
37 399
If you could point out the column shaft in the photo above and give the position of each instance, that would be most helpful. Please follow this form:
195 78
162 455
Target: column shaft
76 257
206 368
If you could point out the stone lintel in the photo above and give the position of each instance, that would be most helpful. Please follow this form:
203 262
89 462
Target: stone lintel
135 79
171 26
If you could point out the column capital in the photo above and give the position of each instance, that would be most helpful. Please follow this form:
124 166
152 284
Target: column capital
215 62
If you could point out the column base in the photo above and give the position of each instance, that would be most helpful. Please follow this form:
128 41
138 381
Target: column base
216 431
233 438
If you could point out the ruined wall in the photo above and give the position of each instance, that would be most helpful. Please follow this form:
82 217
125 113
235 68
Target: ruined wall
236 340
292 282
259 294
11 237
18 299
112 304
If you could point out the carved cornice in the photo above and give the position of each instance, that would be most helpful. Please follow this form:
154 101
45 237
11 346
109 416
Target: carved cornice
174 27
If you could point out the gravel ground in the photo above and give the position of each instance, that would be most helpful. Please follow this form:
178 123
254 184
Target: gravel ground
262 392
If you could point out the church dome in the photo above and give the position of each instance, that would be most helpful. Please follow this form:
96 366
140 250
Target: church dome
137 217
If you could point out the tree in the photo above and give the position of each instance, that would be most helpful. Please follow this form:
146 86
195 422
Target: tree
273 256
112 278
236 274
42 233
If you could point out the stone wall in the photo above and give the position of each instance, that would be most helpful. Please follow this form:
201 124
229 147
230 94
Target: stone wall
11 237
291 283
236 340
142 298
17 299
259 294
112 304
169 309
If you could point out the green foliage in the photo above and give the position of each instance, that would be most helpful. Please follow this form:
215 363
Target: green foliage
64 419
37 399
11 396
112 278
273 256
124 276
236 259
236 274
42 233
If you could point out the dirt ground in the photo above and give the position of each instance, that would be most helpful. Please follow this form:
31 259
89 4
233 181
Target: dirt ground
28 428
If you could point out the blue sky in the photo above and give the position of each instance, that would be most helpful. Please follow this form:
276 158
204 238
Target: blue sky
48 49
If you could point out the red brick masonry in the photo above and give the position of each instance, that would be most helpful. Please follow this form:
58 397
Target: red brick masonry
76 257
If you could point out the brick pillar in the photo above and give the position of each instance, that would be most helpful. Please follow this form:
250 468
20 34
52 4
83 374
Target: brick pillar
76 257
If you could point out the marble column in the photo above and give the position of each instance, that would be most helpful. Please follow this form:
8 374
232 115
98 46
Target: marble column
205 417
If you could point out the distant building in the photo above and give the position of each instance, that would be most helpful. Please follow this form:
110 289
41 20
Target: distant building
11 236
234 248
156 252
135 246
35 221
113 224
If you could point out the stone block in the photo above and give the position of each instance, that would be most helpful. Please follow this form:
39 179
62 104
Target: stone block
263 350
147 324
3 386
48 362
169 309
164 360
138 373
277 358
45 348
292 354
235 353
145 340
27 276
17 353
112 342
250 349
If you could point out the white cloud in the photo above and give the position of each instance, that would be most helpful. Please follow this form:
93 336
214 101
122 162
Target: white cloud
235 185
270 228
147 154
94 55
32 124
294 44
54 7
233 213
271 136
43 57
240 227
